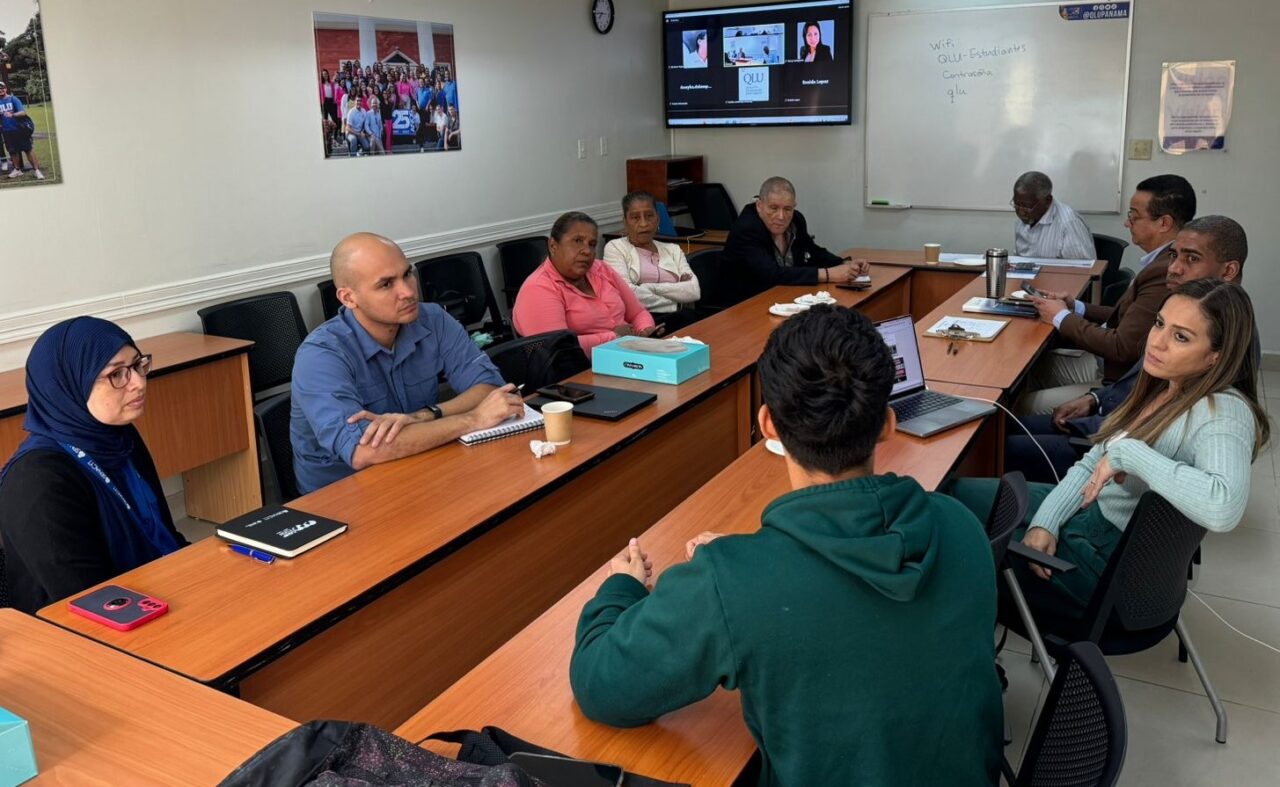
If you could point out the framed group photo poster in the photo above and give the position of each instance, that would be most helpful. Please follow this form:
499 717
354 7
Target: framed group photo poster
28 135
385 86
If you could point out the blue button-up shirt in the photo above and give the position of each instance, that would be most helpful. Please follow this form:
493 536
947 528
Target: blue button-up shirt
340 370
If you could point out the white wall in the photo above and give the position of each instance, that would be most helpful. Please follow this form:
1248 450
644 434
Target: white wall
826 164
190 141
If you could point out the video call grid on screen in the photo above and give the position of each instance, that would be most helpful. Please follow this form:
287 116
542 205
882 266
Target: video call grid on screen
759 65
900 334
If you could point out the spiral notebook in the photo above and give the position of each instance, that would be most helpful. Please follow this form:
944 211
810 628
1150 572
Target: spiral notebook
530 419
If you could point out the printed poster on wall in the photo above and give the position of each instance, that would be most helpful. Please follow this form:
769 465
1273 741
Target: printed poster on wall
385 86
28 138
1195 105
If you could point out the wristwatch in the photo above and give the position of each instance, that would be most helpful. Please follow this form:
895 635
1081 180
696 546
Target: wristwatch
436 412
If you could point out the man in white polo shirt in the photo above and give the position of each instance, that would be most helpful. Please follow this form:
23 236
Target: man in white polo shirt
1047 227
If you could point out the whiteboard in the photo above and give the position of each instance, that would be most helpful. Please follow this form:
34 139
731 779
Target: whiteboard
960 102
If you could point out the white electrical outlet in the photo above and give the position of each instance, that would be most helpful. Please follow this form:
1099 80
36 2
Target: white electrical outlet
604 146
582 148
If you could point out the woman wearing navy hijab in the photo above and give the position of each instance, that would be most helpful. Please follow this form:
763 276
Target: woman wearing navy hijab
80 500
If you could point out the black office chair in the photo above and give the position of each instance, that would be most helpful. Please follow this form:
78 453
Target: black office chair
1111 293
1081 736
4 583
329 298
271 417
1111 249
538 360
1139 596
720 289
710 206
459 283
520 258
272 322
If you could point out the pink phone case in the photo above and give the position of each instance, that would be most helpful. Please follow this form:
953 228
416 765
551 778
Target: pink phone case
119 608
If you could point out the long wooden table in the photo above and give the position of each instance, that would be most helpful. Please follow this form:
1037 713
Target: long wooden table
452 552
98 717
1001 363
524 686
198 421
932 283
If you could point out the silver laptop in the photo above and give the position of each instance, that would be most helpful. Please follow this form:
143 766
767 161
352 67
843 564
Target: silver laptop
921 412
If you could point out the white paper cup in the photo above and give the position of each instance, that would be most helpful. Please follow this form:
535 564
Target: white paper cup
932 251
559 422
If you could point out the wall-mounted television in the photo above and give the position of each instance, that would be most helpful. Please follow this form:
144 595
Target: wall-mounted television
771 64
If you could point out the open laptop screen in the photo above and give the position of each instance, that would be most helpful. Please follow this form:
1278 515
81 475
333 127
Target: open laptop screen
900 334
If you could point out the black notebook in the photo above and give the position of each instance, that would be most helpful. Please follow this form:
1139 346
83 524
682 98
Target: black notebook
280 531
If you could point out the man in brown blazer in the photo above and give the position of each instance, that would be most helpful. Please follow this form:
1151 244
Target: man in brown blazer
1102 342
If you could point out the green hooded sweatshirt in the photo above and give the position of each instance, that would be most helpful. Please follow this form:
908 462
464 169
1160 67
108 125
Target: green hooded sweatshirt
856 624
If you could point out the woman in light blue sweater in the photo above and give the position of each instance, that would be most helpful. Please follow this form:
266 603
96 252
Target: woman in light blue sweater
1189 431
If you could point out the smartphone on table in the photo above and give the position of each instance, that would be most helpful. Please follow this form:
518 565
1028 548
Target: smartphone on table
568 772
117 607
566 393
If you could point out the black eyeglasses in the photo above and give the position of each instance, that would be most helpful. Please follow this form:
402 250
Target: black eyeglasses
1025 208
119 377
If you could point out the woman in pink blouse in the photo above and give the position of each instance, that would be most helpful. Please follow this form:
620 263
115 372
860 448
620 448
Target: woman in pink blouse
574 291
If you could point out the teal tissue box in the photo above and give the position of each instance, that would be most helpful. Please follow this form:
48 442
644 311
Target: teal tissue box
17 757
655 360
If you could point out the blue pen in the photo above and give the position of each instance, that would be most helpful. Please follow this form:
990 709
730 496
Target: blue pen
261 557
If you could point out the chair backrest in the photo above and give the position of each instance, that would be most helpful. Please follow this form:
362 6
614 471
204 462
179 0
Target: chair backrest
1145 581
1081 737
272 417
1111 249
273 322
720 289
329 298
710 206
4 583
665 225
1111 292
459 284
538 360
1008 511
520 258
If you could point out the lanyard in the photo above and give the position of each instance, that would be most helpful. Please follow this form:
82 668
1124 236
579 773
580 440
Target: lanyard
88 462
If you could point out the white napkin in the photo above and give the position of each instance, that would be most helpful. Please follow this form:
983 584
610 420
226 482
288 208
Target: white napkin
541 449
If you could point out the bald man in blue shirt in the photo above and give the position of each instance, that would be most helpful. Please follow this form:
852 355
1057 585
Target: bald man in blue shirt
365 383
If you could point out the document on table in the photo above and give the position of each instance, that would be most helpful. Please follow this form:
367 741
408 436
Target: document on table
979 330
970 259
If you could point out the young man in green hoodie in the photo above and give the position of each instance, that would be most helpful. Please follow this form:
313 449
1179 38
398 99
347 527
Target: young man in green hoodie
856 623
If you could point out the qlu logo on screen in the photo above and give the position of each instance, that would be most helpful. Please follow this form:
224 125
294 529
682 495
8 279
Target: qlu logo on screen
753 84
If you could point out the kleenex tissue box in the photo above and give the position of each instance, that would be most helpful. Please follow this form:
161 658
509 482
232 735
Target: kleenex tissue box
668 361
17 757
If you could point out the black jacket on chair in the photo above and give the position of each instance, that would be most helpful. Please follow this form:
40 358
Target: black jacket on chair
750 252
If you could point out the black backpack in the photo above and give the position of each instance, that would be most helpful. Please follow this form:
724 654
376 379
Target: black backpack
351 754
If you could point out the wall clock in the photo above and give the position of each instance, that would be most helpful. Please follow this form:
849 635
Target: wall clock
602 15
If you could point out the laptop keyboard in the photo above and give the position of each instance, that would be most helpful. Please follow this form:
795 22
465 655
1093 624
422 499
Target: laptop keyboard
922 404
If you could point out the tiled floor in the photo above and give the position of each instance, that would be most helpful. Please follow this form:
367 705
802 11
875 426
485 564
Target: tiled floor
1171 725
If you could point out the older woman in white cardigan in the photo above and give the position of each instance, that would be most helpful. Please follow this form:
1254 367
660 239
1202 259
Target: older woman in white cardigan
658 272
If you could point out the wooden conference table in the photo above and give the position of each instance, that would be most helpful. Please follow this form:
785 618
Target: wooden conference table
452 552
998 364
198 422
99 717
932 283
